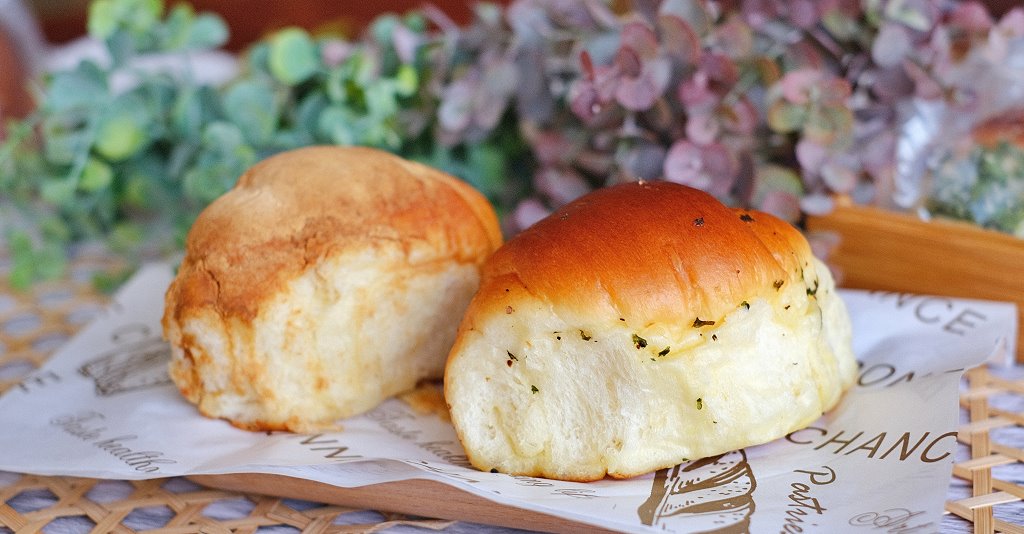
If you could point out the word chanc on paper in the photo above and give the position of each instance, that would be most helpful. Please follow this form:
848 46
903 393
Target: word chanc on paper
926 447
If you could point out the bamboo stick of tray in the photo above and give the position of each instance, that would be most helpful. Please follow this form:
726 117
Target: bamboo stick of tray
887 250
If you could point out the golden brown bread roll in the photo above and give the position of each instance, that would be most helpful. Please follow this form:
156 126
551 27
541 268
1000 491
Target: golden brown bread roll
641 325
326 281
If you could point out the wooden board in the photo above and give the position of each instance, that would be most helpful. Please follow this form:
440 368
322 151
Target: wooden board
893 251
417 497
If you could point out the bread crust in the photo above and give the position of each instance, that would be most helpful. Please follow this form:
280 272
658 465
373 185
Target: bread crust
646 252
296 207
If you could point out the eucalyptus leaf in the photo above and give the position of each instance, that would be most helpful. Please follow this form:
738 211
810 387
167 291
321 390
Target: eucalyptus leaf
223 136
54 229
120 135
307 114
125 21
59 191
486 169
208 31
775 178
192 109
784 117
293 56
103 19
96 175
137 191
383 27
253 107
335 124
50 260
64 141
83 87
257 57
204 184
406 80
381 101
126 236
184 30
177 26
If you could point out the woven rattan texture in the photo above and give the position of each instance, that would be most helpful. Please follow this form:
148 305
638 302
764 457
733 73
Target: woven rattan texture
33 324
989 454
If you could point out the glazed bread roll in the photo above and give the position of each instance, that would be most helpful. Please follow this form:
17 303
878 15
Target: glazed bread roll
639 326
326 281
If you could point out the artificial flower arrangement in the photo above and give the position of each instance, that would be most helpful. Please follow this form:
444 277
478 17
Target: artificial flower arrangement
778 105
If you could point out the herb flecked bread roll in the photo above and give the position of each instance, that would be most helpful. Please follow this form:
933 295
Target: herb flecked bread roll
639 326
327 280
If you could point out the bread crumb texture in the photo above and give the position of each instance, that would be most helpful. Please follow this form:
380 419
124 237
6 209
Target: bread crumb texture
326 281
640 339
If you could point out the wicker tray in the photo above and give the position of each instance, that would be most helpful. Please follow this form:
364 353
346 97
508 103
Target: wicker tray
988 481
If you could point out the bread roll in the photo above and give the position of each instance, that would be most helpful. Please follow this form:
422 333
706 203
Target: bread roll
639 326
326 281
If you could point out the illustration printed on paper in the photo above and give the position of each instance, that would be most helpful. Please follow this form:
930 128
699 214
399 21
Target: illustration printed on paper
714 494
130 367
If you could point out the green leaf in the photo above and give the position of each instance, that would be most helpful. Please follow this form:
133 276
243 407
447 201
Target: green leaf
307 115
102 19
50 261
185 30
139 17
125 236
257 58
829 125
336 125
486 168
176 26
223 135
380 100
840 25
109 281
120 135
22 273
293 56
289 139
784 117
136 192
771 177
55 229
415 21
63 143
383 27
337 83
83 87
96 176
406 80
58 191
30 262
252 106
209 31
193 108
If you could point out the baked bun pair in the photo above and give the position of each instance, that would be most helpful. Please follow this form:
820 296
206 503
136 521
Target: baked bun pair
640 326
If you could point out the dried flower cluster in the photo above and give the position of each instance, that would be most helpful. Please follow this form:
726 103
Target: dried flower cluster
772 104
778 105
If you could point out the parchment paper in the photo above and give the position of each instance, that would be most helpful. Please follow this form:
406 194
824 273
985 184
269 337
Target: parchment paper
881 461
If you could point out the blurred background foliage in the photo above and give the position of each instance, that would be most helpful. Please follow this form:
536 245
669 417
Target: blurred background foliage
777 105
